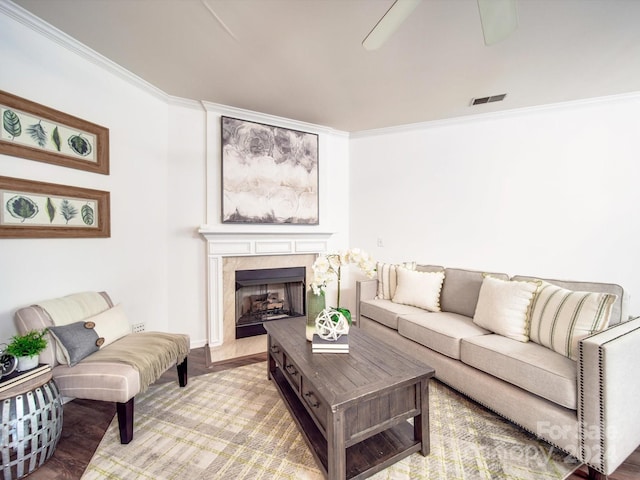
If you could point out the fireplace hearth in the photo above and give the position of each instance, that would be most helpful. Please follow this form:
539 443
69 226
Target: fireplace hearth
268 294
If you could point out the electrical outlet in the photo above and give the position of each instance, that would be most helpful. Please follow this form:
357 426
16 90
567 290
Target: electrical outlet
380 242
138 327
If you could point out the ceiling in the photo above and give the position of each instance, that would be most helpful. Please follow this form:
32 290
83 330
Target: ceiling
304 60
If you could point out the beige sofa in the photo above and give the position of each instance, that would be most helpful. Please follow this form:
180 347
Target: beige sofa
587 407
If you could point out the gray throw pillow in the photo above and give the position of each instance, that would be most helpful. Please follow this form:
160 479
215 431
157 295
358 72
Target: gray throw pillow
76 340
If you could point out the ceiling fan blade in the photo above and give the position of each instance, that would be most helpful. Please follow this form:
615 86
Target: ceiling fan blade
389 23
499 19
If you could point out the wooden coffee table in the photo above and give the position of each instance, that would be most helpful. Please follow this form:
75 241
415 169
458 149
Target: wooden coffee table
352 409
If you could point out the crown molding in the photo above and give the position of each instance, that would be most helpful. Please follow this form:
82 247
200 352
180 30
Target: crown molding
252 115
514 112
38 25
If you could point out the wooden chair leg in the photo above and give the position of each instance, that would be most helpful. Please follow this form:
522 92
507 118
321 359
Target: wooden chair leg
125 421
182 373
593 474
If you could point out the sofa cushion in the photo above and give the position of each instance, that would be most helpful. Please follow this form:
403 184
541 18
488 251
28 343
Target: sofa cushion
387 278
461 288
419 289
528 365
560 318
440 331
385 311
503 307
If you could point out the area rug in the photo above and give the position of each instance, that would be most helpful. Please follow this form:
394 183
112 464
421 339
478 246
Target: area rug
233 425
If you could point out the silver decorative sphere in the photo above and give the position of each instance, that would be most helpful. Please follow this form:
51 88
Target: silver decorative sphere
329 329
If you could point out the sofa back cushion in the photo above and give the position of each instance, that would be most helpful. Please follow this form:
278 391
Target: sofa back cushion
35 318
461 289
619 307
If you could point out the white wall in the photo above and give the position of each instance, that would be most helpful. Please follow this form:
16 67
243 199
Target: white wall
132 264
550 192
164 184
186 193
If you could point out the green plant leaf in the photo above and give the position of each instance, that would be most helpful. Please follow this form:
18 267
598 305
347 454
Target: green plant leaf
27 345
87 214
51 210
67 210
11 123
55 136
79 145
22 207
38 133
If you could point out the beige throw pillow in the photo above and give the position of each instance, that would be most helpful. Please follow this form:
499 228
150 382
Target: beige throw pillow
503 307
110 325
388 279
560 318
420 289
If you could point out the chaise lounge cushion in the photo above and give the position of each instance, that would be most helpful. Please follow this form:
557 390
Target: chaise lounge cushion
528 365
105 381
440 331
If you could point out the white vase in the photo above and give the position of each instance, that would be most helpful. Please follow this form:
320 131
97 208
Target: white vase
27 363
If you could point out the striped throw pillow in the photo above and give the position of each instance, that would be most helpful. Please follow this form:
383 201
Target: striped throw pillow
388 278
560 318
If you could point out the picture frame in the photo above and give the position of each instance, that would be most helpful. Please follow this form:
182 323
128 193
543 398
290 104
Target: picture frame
30 209
269 174
37 132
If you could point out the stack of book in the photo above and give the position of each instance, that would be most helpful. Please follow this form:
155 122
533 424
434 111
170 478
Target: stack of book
320 345
16 378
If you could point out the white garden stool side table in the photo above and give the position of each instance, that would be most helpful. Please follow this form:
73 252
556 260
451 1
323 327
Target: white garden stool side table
30 425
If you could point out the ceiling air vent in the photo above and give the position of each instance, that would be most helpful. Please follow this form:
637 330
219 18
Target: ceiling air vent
493 98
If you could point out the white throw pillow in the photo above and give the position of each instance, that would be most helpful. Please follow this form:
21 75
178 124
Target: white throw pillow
420 289
503 307
110 325
388 280
560 318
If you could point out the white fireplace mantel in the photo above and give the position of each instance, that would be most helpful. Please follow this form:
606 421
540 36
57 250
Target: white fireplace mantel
230 243
238 243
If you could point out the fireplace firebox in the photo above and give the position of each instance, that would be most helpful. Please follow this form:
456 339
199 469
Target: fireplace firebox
268 294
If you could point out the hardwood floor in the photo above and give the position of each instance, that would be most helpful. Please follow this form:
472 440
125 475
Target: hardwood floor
85 422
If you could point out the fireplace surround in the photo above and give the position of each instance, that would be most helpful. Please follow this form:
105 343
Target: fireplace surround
229 251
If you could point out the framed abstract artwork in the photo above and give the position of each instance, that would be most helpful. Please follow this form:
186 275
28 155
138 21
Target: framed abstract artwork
45 210
36 132
269 174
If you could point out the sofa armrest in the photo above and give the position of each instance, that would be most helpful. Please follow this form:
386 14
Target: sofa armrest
365 290
608 389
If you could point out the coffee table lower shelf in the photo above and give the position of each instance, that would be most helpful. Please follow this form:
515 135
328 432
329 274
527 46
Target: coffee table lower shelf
364 458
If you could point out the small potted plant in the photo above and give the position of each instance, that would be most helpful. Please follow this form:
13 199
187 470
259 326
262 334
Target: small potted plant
26 348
